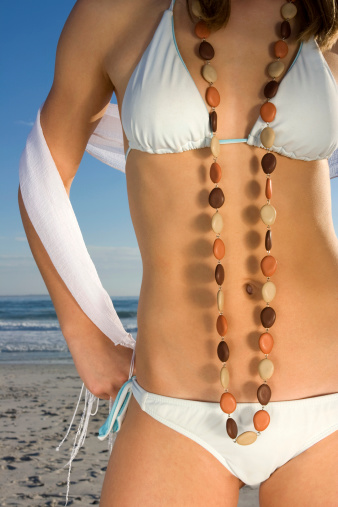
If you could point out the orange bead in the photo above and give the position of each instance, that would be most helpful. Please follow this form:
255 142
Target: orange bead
228 403
268 111
266 343
268 265
221 325
261 420
201 30
268 188
212 96
281 49
219 249
215 172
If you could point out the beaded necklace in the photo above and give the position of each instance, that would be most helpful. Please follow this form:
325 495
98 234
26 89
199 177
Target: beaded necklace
268 264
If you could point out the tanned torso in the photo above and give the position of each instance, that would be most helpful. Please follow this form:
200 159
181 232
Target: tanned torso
168 199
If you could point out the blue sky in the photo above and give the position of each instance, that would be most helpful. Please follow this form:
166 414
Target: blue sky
29 32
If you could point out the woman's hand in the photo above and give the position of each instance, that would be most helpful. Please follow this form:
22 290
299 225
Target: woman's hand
102 365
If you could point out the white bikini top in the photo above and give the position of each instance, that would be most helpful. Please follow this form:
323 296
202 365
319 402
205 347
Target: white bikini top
163 111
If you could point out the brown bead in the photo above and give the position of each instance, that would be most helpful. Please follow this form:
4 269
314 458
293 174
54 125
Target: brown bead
216 198
201 30
268 163
268 111
268 188
261 420
206 51
281 49
228 403
268 316
221 325
265 343
264 394
268 265
213 121
215 172
285 29
232 428
223 351
219 249
270 89
219 274
268 240
212 96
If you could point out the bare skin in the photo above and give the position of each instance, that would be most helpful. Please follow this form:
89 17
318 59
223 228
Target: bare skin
168 199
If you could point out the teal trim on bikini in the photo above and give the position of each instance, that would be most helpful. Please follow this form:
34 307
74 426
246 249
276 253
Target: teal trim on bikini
127 153
298 53
227 141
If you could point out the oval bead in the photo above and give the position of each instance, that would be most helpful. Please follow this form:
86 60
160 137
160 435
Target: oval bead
265 368
281 49
275 69
206 51
270 89
288 10
217 223
196 8
264 394
201 30
268 188
215 146
220 301
216 198
268 163
212 96
215 172
268 265
268 240
219 249
219 274
268 291
265 343
213 121
209 73
224 377
228 403
268 111
221 325
231 428
285 30
268 214
267 137
268 317
247 438
223 351
261 420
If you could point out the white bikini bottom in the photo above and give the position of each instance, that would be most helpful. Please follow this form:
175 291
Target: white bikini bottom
295 426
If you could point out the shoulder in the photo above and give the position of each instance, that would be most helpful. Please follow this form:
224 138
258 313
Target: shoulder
331 57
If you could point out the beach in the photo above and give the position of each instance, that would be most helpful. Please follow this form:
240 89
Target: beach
37 404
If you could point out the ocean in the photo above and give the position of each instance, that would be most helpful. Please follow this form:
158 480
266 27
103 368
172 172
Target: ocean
30 331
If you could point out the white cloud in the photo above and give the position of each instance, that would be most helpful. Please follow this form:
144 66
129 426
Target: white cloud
20 238
23 122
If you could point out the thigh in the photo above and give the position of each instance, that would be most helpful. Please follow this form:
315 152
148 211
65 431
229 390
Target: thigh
152 465
309 479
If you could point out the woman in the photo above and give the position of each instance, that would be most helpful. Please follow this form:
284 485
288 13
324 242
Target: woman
108 47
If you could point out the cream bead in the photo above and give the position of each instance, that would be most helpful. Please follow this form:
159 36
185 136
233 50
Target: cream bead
246 438
275 69
288 11
265 368
267 137
268 214
217 223
215 146
224 376
220 300
196 8
209 73
268 291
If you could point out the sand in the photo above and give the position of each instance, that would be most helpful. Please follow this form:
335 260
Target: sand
37 404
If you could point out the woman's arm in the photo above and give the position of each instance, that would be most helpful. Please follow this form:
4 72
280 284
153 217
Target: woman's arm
79 95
